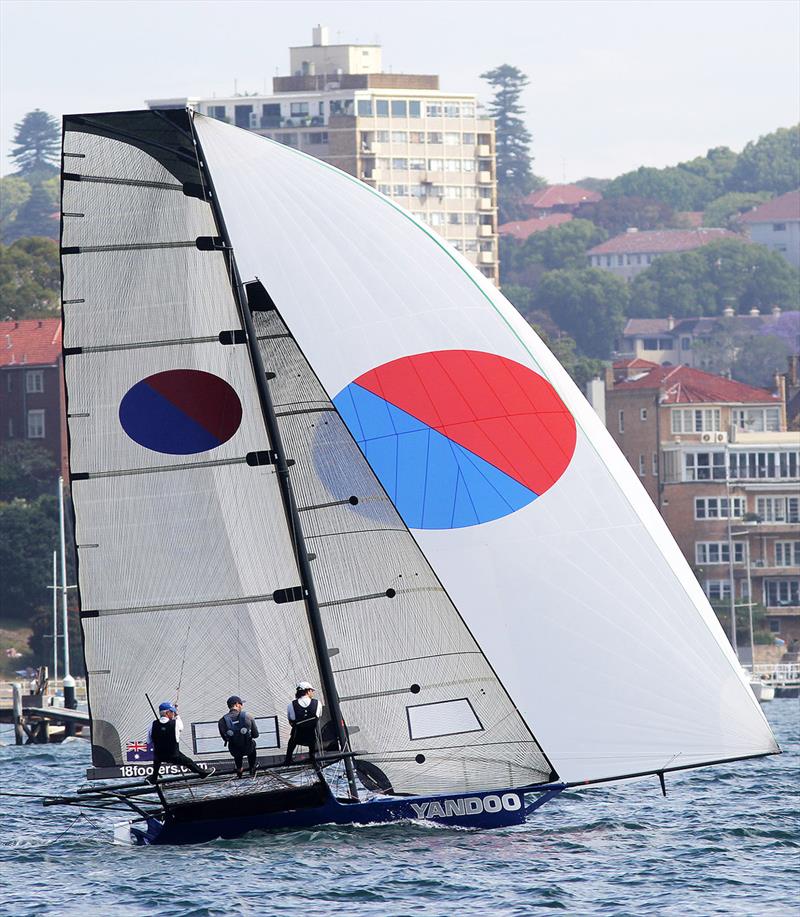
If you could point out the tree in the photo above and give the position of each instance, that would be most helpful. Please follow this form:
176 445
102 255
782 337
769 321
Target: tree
26 470
41 640
38 216
36 144
582 369
771 163
29 279
677 187
616 214
14 192
723 211
728 272
560 247
514 176
758 359
28 536
589 304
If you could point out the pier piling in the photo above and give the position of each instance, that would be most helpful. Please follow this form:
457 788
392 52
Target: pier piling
19 732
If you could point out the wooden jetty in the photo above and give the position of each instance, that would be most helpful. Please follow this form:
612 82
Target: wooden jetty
36 718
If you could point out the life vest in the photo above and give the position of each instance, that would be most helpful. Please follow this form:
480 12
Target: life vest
237 730
305 718
165 744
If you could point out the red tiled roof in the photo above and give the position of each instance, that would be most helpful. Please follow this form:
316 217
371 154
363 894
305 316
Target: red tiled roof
635 363
524 228
660 241
785 207
561 196
30 342
683 385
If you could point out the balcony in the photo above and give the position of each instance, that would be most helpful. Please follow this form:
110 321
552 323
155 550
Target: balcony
484 178
371 175
486 258
485 203
484 151
485 230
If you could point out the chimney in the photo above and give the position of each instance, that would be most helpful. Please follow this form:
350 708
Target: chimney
793 367
319 36
609 378
670 322
776 311
754 311
728 312
632 229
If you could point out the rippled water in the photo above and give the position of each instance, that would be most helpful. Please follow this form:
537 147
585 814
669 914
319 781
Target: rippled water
725 841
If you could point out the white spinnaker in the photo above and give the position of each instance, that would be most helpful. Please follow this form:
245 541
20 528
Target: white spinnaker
179 554
581 601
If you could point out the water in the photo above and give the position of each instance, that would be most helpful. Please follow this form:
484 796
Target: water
725 841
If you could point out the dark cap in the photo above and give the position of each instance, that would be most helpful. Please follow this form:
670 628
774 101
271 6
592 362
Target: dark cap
235 699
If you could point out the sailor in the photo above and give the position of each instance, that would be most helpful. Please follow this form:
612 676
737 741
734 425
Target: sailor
239 732
304 714
164 736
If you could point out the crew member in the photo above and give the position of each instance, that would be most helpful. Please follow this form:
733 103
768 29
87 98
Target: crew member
164 735
239 732
304 714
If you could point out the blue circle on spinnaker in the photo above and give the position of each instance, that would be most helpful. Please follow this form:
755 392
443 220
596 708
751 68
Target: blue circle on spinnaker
181 412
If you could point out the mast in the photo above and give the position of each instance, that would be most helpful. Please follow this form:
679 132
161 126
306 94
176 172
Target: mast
282 468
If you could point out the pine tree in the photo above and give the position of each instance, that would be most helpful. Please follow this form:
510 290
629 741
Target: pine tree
514 176
36 144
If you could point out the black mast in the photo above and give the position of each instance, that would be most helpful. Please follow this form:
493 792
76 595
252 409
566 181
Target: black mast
287 494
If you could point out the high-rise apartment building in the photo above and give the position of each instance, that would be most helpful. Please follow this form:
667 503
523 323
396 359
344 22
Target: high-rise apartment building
429 150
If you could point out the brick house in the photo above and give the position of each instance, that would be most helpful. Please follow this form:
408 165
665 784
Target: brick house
716 458
31 385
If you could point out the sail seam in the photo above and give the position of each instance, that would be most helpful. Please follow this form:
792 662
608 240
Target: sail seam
375 665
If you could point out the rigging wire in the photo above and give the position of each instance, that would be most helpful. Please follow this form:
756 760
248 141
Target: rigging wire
183 662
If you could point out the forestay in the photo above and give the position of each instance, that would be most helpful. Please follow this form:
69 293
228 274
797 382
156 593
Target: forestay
182 545
579 598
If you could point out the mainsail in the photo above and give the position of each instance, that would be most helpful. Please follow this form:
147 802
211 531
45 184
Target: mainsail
190 575
576 595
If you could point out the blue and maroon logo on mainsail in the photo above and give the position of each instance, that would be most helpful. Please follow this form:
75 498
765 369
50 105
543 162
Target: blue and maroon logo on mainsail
459 437
181 412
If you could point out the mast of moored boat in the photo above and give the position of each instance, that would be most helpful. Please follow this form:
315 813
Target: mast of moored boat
287 494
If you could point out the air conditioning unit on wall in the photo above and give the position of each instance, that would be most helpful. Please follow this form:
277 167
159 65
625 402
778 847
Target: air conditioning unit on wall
706 437
721 437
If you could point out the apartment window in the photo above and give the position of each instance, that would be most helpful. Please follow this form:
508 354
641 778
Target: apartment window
695 420
452 165
718 589
778 509
774 625
658 344
757 420
779 227
287 139
217 111
754 465
452 138
787 553
385 189
467 110
467 165
414 109
643 414
655 464
416 165
452 191
780 593
36 424
454 219
315 139
436 165
452 110
435 137
416 136
381 136
468 139
365 108
717 507
399 137
436 218
298 109
717 552
608 260
642 471
400 191
704 466
686 343
382 108
34 381
471 219
621 422
471 245
399 108
400 163
433 110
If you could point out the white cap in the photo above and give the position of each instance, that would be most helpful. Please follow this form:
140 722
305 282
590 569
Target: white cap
305 686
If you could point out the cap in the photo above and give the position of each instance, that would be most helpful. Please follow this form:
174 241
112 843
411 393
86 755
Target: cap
167 705
234 699
304 686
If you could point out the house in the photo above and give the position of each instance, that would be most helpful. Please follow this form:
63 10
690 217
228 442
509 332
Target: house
31 385
672 341
776 224
559 199
716 458
523 229
633 251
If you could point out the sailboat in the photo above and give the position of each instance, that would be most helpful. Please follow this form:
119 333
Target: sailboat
310 442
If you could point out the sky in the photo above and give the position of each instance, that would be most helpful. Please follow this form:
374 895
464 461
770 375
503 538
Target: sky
613 85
